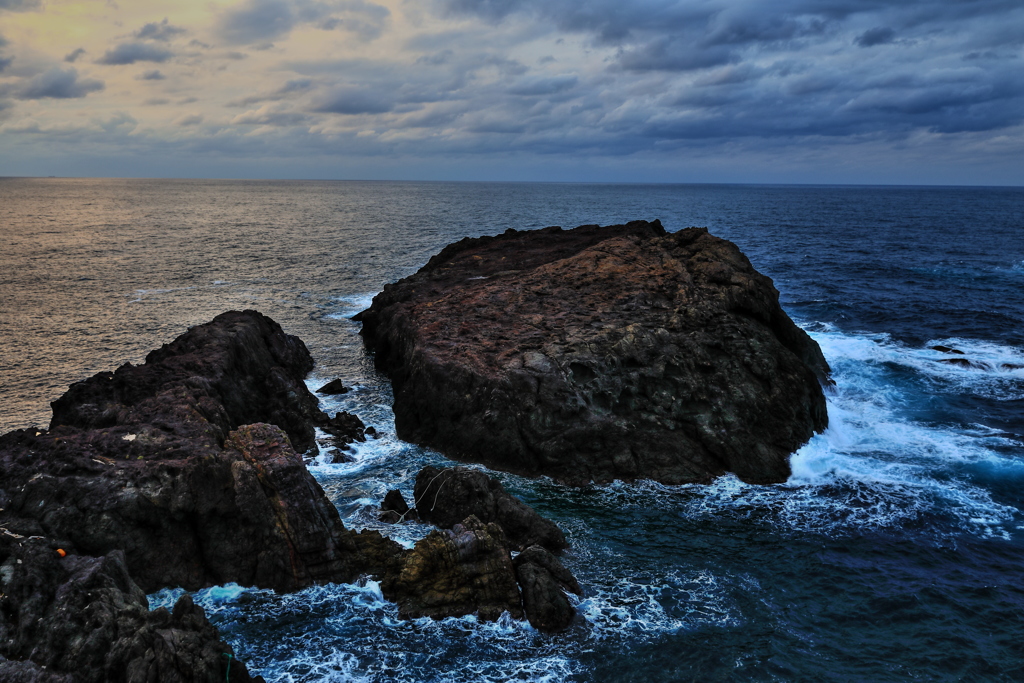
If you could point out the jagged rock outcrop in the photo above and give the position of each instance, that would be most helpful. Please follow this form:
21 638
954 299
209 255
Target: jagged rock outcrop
80 619
175 464
464 570
544 582
446 496
164 462
599 353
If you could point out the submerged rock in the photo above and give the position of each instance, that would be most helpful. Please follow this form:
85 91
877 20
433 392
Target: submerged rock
447 496
599 353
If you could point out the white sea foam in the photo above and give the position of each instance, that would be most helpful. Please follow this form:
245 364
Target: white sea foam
350 305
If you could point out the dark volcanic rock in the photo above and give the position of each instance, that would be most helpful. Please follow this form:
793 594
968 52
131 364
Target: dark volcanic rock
394 509
540 556
152 460
456 572
238 369
543 578
333 388
447 496
599 353
85 620
345 428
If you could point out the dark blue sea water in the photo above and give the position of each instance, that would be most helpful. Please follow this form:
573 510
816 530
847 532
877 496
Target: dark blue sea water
895 552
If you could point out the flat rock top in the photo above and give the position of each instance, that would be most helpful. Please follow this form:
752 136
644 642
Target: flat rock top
627 333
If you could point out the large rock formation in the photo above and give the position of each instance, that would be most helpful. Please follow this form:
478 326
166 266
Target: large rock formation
599 353
182 472
161 461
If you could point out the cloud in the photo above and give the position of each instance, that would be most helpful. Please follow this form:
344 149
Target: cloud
548 85
262 21
19 5
189 120
74 54
355 100
161 30
270 115
152 75
57 83
290 88
129 53
880 35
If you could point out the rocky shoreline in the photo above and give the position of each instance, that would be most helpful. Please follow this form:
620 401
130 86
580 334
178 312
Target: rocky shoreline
186 471
586 355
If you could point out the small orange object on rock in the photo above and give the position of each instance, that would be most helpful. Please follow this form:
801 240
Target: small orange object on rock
60 551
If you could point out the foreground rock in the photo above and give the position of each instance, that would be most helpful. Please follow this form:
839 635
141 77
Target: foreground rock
599 353
179 472
182 472
187 464
80 619
472 563
450 573
447 496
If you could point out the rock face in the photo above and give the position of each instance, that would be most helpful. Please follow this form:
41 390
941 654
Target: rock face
599 353
445 497
179 472
174 463
182 472
455 572
86 621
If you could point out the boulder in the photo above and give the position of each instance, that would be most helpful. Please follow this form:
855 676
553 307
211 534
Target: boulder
446 496
450 573
544 580
599 353
334 388
395 510
81 619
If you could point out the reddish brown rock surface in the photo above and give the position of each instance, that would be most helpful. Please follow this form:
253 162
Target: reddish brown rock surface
599 353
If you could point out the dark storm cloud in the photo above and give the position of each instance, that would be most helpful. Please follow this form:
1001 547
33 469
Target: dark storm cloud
158 30
57 83
876 36
74 55
720 69
265 20
129 53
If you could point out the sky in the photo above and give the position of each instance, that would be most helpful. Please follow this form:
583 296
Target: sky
781 91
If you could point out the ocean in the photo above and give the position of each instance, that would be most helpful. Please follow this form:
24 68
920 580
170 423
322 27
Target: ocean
894 552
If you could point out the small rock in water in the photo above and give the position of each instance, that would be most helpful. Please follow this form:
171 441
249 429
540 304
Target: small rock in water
446 496
334 388
946 349
966 363
394 509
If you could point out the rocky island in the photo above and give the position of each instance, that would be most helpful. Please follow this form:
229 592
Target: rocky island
599 353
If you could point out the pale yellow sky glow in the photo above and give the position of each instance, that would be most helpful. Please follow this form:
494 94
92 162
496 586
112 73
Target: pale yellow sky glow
645 90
